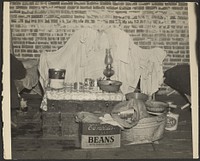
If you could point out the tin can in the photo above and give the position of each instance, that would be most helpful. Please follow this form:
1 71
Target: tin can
172 121
57 73
89 82
56 78
78 86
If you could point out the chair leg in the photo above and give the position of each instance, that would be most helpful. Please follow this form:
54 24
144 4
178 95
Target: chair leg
188 100
188 97
185 106
171 93
13 124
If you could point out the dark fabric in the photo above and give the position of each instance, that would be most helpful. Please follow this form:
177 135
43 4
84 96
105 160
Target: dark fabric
17 69
178 78
17 72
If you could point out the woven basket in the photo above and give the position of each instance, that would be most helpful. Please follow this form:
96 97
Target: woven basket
147 130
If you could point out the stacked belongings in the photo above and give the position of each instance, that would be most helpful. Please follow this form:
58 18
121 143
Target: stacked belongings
133 118
145 126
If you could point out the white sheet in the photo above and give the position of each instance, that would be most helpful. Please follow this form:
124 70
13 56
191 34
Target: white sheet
83 56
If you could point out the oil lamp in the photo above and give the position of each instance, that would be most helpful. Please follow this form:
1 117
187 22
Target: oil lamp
108 72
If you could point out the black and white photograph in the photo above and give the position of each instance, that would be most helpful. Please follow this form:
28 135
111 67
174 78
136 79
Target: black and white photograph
100 80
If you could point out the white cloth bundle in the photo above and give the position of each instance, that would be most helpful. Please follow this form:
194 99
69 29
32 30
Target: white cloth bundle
83 57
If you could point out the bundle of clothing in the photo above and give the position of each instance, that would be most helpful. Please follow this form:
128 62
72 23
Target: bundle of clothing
84 53
125 114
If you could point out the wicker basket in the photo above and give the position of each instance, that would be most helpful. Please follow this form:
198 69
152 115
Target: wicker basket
147 130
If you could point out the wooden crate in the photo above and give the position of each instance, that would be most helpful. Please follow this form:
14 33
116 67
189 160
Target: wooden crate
59 121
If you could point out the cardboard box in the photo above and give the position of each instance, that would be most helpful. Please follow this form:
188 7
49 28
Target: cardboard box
95 135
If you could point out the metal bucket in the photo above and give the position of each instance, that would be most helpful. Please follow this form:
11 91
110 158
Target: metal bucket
136 95
147 130
56 78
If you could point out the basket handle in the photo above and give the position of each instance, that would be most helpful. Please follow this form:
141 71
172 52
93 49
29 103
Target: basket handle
160 118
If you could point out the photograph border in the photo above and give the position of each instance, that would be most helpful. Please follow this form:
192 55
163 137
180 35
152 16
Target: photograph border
6 130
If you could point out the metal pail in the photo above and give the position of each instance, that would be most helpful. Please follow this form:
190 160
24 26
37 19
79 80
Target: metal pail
56 78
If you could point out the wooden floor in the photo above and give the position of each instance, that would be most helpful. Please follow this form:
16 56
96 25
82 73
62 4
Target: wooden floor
28 143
